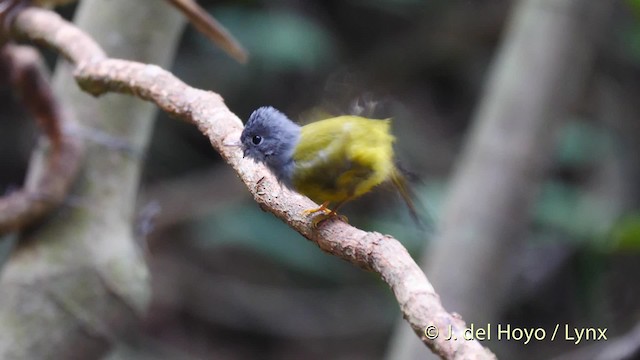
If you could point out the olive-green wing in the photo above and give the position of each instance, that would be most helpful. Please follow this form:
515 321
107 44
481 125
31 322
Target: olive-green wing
341 158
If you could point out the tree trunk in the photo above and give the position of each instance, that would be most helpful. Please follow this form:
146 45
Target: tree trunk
79 280
539 71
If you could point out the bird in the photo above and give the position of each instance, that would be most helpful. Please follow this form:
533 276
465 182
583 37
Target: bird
333 160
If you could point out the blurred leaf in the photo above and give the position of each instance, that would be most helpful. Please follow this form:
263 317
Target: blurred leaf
279 40
398 7
626 233
632 39
635 6
581 144
573 212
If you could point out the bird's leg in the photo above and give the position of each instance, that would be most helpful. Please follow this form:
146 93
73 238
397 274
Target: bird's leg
327 213
334 212
324 208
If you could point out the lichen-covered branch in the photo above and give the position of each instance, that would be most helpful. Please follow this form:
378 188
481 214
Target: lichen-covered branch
372 251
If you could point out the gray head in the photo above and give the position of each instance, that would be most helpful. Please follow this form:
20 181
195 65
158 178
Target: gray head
270 137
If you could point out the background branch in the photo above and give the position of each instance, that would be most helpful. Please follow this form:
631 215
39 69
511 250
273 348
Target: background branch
192 196
76 283
371 251
27 73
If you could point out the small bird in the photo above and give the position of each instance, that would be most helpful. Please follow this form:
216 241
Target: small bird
330 161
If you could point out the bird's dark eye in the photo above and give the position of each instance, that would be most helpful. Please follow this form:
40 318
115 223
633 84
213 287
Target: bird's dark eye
256 140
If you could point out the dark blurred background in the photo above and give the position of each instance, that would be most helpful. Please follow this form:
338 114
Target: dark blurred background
232 282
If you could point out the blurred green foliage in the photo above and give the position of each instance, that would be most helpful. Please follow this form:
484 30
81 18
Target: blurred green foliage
581 144
570 209
245 225
566 207
572 213
279 39
635 7
631 33
626 233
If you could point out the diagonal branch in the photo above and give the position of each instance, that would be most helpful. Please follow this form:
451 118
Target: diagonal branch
371 251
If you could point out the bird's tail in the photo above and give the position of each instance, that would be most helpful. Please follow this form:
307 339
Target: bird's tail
400 182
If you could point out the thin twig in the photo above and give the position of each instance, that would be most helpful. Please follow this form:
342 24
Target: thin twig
211 28
372 251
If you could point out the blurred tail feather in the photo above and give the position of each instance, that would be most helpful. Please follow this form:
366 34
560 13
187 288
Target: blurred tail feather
407 194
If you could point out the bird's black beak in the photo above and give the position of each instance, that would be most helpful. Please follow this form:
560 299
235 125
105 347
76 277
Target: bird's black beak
245 152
